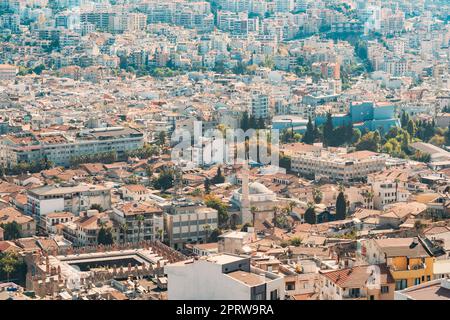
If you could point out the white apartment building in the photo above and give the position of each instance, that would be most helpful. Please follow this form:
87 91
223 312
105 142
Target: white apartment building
222 277
187 222
61 149
259 106
396 66
284 5
51 220
234 242
72 198
388 192
346 167
8 72
143 221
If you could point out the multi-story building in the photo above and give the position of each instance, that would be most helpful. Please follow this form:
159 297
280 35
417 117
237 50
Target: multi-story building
410 260
222 277
62 150
72 198
259 105
188 222
84 230
53 219
338 167
138 221
388 192
8 72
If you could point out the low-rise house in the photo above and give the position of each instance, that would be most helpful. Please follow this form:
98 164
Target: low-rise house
84 230
203 249
357 283
26 224
53 219
134 192
440 234
398 213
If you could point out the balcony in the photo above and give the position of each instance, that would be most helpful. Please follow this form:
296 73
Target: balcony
418 266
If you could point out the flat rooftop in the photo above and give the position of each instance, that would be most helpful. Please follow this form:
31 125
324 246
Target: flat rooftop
428 291
248 278
61 189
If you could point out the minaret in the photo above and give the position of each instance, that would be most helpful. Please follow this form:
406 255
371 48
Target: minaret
246 215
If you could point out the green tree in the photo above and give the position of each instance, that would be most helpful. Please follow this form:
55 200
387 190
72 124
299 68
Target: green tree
356 135
328 131
207 185
222 211
447 135
214 236
105 237
370 141
165 180
161 139
218 178
140 219
341 206
309 135
285 162
317 195
97 207
9 263
310 214
411 128
11 230
296 241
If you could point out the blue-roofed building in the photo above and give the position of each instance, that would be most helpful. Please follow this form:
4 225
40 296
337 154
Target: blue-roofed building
361 111
338 120
289 121
365 115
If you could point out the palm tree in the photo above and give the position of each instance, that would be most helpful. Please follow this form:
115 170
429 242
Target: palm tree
368 196
397 180
275 214
140 219
291 206
160 233
317 195
253 210
206 228
124 229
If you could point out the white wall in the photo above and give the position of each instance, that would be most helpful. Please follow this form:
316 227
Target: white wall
202 280
51 205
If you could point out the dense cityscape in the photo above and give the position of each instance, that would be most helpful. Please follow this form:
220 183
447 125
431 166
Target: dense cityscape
224 150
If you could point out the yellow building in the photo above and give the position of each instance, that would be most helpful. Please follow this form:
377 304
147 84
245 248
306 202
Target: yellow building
409 260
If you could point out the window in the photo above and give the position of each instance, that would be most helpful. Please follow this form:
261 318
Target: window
290 286
384 289
274 295
428 278
416 281
400 284
260 296
354 292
